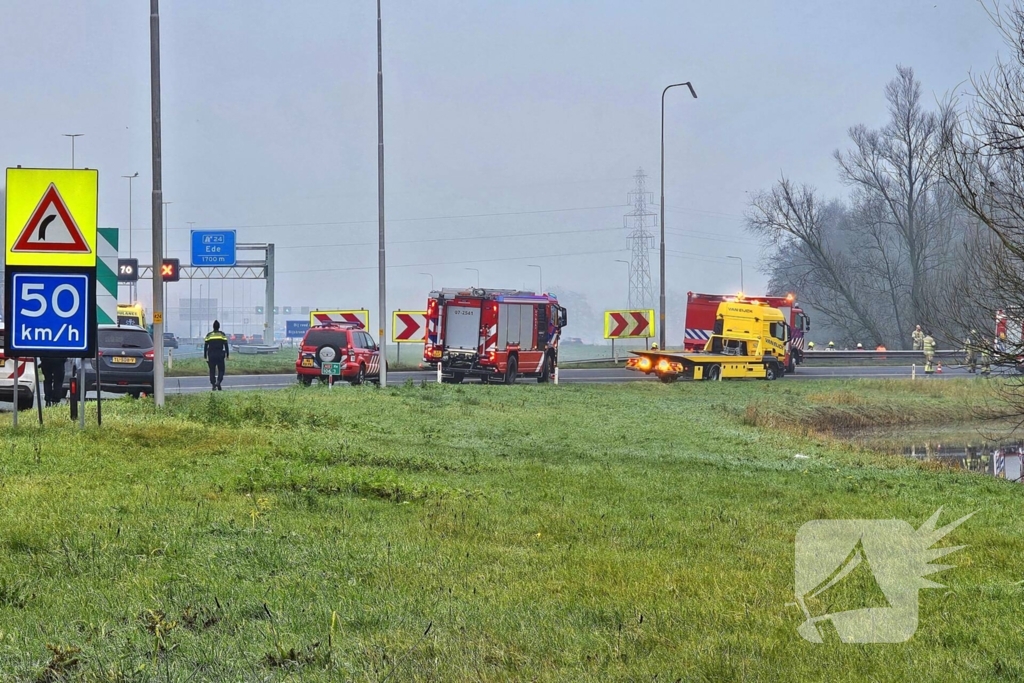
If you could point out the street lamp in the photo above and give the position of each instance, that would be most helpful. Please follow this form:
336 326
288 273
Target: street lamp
131 286
431 276
72 136
742 288
662 269
540 277
629 280
477 276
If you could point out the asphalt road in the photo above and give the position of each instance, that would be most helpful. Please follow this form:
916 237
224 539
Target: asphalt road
187 385
191 385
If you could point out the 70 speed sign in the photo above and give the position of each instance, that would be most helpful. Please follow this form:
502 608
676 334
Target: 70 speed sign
51 313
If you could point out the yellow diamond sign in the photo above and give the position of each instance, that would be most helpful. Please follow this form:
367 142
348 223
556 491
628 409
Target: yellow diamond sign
51 217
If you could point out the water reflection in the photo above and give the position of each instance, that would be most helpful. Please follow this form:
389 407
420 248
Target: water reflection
1003 461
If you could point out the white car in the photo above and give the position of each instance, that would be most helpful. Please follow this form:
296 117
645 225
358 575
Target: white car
20 373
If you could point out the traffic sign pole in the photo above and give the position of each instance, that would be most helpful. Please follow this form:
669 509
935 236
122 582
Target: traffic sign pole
158 199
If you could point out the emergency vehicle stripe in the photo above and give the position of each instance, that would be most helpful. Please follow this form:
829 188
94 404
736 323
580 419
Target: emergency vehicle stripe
694 333
492 338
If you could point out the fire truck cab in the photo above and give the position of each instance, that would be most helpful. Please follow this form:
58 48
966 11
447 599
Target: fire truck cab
702 309
494 334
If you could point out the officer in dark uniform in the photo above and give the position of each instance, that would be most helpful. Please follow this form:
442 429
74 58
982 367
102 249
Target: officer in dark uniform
216 351
53 379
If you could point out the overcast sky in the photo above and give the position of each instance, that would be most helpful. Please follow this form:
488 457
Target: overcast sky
518 123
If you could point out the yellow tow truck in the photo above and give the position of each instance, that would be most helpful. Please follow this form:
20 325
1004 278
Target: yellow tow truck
748 342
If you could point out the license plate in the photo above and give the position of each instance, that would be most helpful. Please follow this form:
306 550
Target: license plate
307 362
122 359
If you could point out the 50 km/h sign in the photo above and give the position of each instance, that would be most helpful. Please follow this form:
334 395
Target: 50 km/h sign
638 324
50 314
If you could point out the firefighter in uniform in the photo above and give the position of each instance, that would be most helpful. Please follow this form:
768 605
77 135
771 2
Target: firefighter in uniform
929 352
971 352
986 359
216 351
810 346
917 336
831 346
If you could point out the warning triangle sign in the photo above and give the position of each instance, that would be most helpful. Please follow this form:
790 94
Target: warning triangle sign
51 228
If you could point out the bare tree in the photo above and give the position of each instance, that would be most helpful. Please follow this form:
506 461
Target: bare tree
795 220
896 170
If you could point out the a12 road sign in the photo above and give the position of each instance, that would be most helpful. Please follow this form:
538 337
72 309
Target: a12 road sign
632 324
408 327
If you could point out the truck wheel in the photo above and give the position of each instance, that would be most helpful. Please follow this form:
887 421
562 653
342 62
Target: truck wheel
512 370
24 403
305 380
714 373
792 365
668 379
456 378
771 371
548 370
360 376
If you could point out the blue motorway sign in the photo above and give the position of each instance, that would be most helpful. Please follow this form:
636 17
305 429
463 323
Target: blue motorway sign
51 313
295 329
213 248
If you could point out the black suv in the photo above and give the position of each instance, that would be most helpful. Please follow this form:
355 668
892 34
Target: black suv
126 361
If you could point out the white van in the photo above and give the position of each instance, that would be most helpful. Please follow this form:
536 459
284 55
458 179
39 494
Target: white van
20 373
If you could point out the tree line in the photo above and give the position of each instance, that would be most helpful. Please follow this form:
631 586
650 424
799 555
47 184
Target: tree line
932 229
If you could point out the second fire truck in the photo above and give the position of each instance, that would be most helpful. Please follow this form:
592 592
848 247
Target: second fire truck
701 310
495 334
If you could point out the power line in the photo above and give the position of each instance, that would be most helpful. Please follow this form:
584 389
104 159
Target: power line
405 220
451 263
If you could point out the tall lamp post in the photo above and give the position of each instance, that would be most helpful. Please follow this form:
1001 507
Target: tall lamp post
742 288
540 277
477 270
72 136
131 286
662 269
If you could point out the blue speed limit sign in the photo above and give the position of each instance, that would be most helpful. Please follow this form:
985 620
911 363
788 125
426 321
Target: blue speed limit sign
51 314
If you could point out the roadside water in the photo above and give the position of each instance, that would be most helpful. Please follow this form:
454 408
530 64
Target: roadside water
998 460
989 448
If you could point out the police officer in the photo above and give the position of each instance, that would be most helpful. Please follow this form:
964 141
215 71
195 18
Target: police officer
53 379
917 337
216 351
929 352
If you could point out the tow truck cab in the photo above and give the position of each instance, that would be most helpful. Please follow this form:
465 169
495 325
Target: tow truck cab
749 340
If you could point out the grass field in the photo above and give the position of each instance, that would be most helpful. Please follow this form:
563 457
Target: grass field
441 533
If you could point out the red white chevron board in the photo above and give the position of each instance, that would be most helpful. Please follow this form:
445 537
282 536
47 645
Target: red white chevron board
629 324
360 316
408 327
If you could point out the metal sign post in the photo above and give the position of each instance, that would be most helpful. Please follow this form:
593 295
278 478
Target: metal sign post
50 265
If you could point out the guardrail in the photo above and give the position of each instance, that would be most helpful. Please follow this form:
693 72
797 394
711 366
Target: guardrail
817 356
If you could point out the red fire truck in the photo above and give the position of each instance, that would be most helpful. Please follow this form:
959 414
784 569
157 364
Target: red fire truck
702 308
493 334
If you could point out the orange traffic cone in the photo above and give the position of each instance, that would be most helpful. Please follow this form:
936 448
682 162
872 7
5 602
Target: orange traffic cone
939 368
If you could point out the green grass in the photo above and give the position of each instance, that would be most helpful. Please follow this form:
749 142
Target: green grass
441 533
